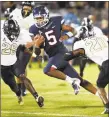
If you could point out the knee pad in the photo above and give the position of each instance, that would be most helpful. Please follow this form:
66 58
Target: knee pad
52 68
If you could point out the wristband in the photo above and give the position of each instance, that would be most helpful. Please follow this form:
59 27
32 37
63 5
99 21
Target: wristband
69 34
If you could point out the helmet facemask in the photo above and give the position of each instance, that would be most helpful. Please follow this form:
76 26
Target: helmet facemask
41 20
26 11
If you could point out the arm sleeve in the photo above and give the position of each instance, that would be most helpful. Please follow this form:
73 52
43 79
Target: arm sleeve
31 31
24 37
62 21
78 44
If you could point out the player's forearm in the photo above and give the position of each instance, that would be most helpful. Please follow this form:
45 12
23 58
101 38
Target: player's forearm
29 47
29 44
69 29
73 54
33 43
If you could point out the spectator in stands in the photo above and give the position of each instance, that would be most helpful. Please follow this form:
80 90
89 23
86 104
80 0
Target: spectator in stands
104 27
104 11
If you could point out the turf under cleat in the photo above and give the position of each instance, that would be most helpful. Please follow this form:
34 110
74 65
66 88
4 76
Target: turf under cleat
20 100
40 101
76 86
106 111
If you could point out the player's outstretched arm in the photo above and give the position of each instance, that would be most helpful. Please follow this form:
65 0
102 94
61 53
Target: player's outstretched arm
70 32
36 42
73 54
69 29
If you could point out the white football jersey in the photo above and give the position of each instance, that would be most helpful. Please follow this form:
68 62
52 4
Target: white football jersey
2 23
96 48
8 48
24 23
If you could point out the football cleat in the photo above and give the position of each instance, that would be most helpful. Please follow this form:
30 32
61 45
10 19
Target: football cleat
76 86
40 101
106 111
20 100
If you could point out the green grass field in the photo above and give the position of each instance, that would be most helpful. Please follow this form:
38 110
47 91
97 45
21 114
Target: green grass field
60 100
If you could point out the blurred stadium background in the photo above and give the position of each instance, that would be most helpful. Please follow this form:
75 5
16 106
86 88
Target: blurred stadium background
59 98
79 10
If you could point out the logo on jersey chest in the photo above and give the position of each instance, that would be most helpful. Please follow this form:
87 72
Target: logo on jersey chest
40 32
48 25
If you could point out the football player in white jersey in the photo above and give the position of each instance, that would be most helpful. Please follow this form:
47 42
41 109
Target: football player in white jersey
23 16
25 19
12 40
81 33
95 47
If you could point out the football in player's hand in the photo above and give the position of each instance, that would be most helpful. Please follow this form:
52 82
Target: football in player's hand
38 39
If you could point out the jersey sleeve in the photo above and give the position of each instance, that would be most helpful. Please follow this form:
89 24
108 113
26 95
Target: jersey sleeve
78 44
61 20
15 14
24 37
98 31
33 31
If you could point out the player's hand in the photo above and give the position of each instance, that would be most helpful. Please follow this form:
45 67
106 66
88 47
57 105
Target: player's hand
38 40
64 37
37 37
29 44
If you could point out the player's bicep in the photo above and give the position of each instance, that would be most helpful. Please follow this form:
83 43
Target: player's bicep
31 32
67 28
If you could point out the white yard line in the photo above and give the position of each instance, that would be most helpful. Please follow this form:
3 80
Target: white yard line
53 92
46 114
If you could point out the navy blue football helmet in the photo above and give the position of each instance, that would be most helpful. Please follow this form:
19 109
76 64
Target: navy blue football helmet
41 16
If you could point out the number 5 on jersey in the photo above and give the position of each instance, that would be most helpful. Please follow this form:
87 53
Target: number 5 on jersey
51 38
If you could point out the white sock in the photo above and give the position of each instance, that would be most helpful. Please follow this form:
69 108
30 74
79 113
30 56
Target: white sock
71 80
97 94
